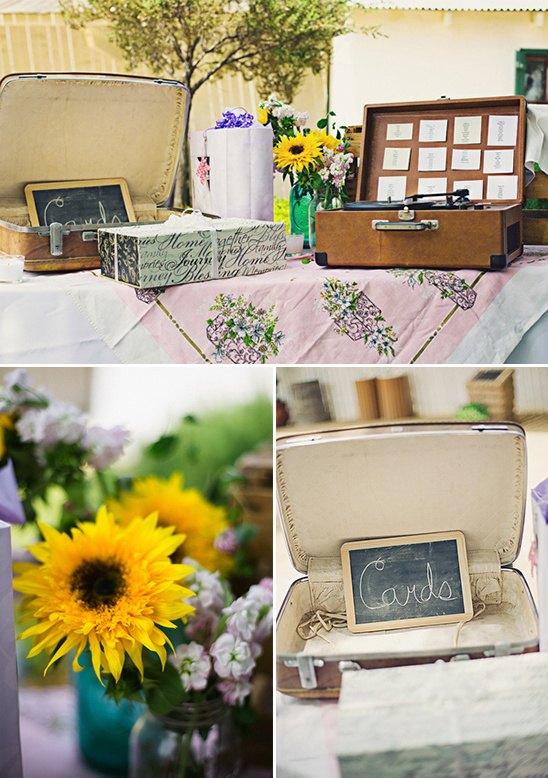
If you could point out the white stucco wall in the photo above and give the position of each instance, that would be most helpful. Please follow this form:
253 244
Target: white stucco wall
428 54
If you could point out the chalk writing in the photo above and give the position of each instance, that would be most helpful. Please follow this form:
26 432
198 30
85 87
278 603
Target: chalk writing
389 596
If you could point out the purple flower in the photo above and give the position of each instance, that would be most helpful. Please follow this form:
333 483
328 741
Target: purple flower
104 446
232 119
234 692
226 541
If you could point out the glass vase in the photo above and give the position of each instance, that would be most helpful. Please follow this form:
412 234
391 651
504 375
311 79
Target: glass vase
196 740
325 198
299 202
103 726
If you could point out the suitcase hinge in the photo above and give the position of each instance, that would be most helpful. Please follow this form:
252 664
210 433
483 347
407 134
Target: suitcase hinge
348 664
305 665
502 648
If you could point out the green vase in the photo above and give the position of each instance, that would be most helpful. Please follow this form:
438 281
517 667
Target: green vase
103 726
299 202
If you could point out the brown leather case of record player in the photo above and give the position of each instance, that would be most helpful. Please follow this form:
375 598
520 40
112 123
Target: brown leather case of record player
401 147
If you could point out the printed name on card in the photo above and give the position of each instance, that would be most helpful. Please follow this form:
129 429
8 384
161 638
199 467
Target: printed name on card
432 159
467 129
432 186
466 159
500 161
391 188
475 188
396 159
399 131
433 130
503 131
502 188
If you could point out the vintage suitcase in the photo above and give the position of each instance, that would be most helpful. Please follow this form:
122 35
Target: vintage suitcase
433 149
390 481
84 128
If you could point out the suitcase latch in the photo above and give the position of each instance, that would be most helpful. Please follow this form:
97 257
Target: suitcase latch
306 666
56 233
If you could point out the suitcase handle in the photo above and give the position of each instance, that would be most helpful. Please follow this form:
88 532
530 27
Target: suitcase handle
426 224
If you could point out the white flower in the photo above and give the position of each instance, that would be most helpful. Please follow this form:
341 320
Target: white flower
234 692
232 657
250 617
210 594
104 446
59 422
193 665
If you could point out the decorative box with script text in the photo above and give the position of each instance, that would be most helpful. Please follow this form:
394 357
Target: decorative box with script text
191 248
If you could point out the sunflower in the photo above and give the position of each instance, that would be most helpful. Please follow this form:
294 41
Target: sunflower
325 140
106 586
186 510
298 152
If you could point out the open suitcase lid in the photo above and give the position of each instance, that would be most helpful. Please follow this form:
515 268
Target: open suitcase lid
402 479
77 127
375 140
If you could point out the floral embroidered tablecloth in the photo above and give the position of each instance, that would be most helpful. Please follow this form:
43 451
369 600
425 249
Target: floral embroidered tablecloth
306 314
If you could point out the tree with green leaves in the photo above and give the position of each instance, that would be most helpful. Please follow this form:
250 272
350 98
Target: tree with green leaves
274 42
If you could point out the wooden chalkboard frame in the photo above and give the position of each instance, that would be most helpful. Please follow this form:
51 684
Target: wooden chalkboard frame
462 574
56 186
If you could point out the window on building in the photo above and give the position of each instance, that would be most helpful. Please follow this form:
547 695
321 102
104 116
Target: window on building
532 75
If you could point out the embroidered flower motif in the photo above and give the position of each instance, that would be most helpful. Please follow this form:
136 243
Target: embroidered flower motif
356 316
242 333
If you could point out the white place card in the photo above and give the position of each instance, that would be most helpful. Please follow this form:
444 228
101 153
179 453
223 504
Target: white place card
502 188
500 161
467 129
432 159
399 131
466 159
503 131
433 130
430 186
475 188
391 187
396 159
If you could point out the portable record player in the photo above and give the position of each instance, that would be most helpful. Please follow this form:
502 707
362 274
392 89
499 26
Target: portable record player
440 185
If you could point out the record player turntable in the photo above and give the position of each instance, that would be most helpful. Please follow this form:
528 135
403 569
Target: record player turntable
476 145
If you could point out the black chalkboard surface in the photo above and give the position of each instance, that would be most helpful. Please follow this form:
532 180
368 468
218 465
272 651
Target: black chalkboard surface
407 581
102 201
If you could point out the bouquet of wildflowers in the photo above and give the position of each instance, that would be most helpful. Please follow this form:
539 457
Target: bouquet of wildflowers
50 442
313 159
223 639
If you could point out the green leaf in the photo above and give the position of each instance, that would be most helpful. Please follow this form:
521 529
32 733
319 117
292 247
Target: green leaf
163 689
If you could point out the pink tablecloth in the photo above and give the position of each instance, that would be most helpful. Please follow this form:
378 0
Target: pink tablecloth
308 314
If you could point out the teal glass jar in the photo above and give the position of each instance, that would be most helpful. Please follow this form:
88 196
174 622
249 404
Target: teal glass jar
196 740
299 202
103 726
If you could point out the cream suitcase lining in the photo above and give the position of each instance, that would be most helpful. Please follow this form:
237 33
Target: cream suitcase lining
395 480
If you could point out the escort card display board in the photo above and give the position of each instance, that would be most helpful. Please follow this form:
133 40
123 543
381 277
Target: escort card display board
390 481
432 150
406 582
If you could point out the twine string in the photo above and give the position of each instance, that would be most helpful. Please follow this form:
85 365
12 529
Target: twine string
478 610
313 621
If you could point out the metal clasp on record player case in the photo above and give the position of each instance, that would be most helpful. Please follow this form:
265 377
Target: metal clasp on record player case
425 224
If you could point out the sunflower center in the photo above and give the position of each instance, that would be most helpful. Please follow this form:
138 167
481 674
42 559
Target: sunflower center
296 150
98 583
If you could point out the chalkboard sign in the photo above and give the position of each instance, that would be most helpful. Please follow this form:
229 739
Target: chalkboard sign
406 582
103 201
